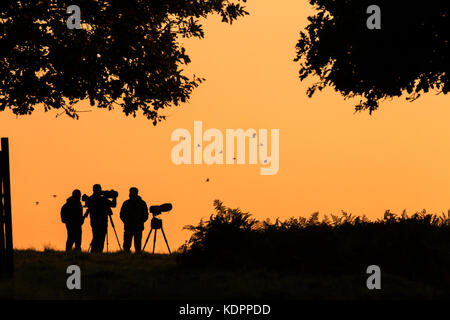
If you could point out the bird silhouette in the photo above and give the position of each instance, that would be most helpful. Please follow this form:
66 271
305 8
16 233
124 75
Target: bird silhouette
207 179
36 202
54 195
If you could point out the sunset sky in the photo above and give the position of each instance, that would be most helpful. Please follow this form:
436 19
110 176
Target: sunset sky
331 158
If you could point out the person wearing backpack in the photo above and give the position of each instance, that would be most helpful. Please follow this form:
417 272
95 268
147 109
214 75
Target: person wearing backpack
72 217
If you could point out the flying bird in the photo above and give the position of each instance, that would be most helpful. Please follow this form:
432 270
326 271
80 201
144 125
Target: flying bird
207 179
37 203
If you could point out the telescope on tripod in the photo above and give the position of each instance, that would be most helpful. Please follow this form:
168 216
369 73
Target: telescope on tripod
156 224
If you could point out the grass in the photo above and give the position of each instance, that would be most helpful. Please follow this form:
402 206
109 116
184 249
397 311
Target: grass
234 256
42 275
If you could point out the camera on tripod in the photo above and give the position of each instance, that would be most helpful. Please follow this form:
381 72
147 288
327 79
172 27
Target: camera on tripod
110 194
85 197
156 223
157 210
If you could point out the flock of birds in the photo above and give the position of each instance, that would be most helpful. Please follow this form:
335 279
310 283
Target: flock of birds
198 145
37 202
221 151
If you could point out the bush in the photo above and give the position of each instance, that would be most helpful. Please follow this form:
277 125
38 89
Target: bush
417 247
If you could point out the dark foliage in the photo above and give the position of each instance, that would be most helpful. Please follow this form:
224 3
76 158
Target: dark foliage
127 53
410 54
416 247
228 229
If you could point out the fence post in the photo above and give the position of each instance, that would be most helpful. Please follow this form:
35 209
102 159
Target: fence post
7 254
2 223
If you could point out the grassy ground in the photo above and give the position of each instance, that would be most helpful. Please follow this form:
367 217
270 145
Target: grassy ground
42 275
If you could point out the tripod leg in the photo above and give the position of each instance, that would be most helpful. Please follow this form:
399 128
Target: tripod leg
117 238
147 239
107 242
166 240
114 228
154 241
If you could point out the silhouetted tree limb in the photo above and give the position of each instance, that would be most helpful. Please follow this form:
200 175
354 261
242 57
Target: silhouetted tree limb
409 54
127 53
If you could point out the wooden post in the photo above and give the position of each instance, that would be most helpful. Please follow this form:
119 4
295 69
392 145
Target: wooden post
6 208
2 224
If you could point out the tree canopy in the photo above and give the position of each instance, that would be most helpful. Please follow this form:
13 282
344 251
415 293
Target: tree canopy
127 53
409 55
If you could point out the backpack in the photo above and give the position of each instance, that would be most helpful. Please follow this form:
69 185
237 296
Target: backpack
65 213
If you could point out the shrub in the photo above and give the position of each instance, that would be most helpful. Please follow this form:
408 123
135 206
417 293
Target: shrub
415 246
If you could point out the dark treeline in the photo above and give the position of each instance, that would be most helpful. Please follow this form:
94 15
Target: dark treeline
416 247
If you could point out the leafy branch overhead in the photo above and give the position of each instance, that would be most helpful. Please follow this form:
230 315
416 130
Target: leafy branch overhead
410 54
127 53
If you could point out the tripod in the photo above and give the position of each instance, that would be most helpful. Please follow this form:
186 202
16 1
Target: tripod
114 228
107 241
155 225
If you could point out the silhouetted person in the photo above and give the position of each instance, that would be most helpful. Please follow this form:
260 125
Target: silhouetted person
72 216
99 208
134 213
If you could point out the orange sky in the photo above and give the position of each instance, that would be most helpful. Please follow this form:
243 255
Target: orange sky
331 159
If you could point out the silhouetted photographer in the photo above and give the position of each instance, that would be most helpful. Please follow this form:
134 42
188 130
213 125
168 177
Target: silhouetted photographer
99 206
133 214
72 217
